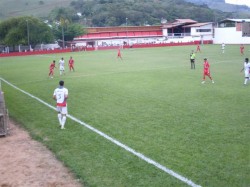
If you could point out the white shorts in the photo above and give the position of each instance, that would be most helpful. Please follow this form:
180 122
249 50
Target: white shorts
247 73
61 68
62 109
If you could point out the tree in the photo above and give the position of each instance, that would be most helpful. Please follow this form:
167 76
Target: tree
68 31
63 28
24 30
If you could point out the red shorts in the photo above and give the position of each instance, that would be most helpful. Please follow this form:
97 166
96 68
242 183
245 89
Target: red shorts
206 73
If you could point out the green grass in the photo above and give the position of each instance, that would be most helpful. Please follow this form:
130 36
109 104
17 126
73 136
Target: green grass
151 101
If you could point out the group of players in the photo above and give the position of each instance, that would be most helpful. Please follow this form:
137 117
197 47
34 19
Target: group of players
61 66
61 93
206 65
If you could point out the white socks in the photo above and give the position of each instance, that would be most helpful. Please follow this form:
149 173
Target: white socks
245 82
62 120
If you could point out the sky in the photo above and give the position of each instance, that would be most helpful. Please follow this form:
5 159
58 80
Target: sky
239 2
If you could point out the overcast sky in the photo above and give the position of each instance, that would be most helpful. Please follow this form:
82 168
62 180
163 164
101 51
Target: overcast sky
239 2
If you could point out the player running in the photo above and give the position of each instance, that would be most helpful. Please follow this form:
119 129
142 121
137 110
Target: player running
71 64
223 47
61 96
242 49
61 66
119 55
51 69
198 49
246 68
206 71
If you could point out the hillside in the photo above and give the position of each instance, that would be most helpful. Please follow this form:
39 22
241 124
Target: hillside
221 5
115 12
37 8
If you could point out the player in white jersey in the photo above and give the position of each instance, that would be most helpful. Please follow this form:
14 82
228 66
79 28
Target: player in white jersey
61 66
246 69
223 47
61 96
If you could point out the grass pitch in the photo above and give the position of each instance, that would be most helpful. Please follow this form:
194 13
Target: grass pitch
151 101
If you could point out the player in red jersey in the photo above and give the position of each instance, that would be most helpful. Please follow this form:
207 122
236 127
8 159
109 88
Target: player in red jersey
242 49
51 69
198 48
119 55
206 71
71 64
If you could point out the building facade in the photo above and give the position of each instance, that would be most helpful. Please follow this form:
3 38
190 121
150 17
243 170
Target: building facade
232 31
179 31
228 31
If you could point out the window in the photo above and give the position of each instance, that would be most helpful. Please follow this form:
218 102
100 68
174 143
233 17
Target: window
203 30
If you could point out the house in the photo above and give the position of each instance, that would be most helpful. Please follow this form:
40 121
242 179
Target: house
232 31
188 30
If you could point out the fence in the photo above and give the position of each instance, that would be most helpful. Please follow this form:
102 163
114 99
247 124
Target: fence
3 116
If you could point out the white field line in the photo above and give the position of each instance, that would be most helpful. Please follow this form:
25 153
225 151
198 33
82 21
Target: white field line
127 148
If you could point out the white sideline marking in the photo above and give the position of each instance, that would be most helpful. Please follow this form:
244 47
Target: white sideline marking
127 148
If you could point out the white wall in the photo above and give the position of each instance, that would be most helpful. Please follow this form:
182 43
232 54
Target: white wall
202 35
229 35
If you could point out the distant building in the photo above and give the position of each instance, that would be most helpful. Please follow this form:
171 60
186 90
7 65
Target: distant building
181 30
187 30
232 31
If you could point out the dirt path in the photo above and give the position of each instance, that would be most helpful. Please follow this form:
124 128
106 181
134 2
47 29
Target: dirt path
27 163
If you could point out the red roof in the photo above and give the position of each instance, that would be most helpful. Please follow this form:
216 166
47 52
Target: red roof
179 22
185 21
129 34
197 24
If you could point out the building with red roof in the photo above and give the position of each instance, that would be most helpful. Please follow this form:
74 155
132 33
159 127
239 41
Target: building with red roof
181 30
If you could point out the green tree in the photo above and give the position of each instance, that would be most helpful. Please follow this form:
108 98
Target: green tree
66 32
24 30
63 27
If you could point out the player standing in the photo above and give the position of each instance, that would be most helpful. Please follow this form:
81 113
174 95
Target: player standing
71 64
242 49
206 71
61 66
192 60
223 47
61 96
246 69
119 55
51 69
198 49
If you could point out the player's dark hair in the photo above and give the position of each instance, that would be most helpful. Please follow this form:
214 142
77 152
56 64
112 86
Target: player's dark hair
54 61
61 83
246 59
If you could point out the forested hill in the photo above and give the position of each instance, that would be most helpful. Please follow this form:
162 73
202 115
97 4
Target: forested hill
221 5
114 12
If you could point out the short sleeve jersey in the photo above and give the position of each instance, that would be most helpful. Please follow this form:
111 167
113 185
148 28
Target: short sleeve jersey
52 66
71 62
206 66
192 56
246 66
61 63
61 94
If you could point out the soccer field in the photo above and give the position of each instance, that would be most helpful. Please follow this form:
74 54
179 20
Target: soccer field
151 102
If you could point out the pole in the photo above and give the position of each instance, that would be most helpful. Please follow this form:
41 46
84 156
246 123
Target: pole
127 30
28 33
63 37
